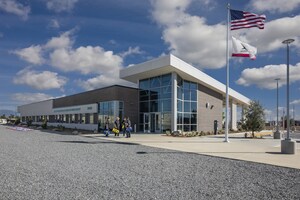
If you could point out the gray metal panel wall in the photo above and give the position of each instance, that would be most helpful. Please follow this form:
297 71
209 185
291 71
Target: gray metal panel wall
120 93
207 115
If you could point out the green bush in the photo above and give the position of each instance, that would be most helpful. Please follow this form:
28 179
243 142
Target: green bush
44 125
29 123
18 121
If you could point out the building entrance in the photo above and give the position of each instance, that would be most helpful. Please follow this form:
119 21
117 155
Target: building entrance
152 123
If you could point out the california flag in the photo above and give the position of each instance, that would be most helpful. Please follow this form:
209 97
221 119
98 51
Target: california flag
242 49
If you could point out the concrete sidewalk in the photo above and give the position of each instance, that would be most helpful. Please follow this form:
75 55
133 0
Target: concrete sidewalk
266 150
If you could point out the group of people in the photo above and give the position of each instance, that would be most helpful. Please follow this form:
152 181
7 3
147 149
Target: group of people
124 127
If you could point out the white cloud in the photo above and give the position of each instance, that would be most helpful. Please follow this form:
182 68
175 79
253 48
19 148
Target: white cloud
264 77
275 5
190 37
40 80
268 114
25 98
54 24
32 54
113 42
270 38
204 45
63 41
86 60
295 102
169 12
61 5
131 51
11 6
60 53
103 80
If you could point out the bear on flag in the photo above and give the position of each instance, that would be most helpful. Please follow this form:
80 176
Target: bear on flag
242 49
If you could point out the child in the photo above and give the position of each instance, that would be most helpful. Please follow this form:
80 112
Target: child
106 128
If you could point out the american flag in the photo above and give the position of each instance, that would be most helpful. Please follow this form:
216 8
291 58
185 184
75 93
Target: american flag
242 19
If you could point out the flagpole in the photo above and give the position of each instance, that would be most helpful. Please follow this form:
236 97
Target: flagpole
227 76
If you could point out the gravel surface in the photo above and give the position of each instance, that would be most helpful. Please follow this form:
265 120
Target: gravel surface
43 165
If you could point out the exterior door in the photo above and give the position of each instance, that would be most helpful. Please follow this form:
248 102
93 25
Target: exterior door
146 122
155 123
152 123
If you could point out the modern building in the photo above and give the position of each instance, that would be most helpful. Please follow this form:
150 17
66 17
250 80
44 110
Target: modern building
86 110
170 95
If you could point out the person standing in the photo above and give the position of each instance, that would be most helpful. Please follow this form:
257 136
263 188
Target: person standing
128 128
123 128
117 126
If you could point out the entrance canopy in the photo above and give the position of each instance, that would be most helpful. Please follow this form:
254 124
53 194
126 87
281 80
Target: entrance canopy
171 63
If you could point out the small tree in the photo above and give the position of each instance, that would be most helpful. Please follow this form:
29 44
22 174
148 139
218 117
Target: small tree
18 121
254 117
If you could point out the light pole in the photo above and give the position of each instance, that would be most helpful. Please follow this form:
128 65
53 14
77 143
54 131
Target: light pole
277 133
288 146
283 119
287 42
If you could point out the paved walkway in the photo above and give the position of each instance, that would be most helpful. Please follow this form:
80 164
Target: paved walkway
266 150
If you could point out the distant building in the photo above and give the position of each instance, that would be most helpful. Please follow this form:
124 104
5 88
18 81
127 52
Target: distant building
171 95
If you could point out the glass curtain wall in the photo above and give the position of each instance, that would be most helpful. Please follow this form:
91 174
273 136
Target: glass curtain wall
186 105
111 109
155 101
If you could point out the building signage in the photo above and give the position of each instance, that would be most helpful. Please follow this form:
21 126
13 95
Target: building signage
89 108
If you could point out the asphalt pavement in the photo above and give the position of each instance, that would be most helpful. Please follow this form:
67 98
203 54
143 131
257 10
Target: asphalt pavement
49 165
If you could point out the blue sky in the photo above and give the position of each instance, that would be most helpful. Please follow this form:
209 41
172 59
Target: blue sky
54 48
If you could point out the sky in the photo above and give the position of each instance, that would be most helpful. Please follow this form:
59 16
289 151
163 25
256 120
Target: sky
54 48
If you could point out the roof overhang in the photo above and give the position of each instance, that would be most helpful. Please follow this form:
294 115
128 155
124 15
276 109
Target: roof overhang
169 64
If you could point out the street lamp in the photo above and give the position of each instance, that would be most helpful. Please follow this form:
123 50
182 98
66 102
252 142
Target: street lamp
288 146
277 133
287 42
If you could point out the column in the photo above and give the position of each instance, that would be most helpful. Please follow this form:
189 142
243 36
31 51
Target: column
233 117
174 102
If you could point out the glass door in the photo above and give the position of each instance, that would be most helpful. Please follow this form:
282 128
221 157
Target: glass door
146 123
155 123
152 123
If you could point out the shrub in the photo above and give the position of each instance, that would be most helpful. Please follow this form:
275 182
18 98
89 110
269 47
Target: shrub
29 123
61 127
44 125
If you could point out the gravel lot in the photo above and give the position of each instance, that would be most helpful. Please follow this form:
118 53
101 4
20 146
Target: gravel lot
43 165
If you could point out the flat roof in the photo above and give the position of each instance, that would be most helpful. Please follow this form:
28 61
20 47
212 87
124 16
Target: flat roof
169 64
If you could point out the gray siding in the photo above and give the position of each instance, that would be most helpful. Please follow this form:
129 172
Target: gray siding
120 93
207 115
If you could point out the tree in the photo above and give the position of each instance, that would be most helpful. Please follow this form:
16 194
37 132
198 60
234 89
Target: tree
254 117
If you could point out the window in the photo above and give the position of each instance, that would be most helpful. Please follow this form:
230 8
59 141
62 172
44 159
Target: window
144 106
155 96
155 82
144 84
186 105
111 109
91 118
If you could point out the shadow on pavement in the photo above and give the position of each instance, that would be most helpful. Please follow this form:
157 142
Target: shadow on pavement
274 153
97 142
201 152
